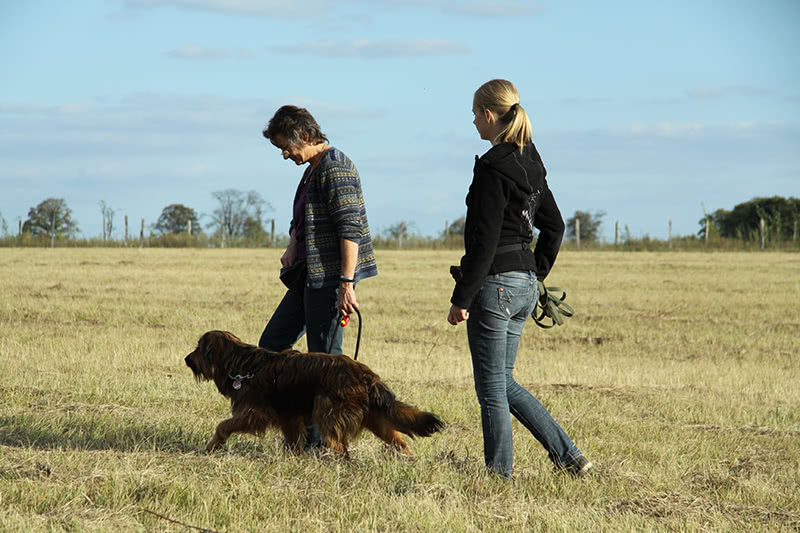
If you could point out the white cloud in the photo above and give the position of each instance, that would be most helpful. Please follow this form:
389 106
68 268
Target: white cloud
373 48
149 122
475 8
704 93
680 151
22 172
586 100
144 126
325 111
209 54
662 129
710 93
261 8
497 8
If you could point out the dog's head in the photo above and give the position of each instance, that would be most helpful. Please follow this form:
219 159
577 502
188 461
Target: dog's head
211 349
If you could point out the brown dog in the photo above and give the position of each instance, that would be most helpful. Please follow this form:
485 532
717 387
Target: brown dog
288 389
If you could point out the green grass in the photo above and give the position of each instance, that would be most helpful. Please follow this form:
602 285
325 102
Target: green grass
677 377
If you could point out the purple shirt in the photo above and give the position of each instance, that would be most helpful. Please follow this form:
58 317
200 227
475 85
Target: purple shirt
299 216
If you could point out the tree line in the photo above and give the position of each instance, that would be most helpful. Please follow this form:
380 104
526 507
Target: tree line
238 215
240 218
743 222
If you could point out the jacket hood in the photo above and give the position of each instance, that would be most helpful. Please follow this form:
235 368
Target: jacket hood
525 169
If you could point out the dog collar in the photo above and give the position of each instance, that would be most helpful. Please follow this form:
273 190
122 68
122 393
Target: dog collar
238 378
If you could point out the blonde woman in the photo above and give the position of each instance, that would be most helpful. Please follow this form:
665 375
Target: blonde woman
498 289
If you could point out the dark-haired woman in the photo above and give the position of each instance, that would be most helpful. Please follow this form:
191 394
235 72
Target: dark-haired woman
329 231
498 288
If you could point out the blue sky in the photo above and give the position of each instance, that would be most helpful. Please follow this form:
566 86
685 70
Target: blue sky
645 110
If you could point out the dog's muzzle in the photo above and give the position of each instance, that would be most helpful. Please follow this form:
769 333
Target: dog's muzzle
191 364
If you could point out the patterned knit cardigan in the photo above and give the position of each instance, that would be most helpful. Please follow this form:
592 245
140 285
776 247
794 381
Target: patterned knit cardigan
335 210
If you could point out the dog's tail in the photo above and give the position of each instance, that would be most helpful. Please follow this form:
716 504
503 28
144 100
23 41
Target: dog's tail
413 422
404 417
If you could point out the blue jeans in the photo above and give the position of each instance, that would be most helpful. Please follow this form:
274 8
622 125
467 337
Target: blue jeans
496 318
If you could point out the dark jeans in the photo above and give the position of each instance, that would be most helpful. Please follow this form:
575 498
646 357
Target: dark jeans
496 318
314 314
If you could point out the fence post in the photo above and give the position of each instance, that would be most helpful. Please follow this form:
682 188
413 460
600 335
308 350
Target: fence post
272 234
670 232
794 233
141 235
763 231
616 233
126 229
578 232
189 231
708 229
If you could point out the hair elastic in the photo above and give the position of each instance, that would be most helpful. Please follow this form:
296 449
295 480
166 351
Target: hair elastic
511 113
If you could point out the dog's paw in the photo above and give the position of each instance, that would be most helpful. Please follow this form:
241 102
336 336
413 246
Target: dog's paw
403 453
214 444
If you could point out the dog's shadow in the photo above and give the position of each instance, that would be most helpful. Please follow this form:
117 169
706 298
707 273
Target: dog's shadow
82 433
25 431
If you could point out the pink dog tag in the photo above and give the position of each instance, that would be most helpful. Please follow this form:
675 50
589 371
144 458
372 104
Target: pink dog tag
237 385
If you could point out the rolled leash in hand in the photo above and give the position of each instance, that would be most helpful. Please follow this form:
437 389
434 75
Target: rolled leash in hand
455 271
552 307
548 305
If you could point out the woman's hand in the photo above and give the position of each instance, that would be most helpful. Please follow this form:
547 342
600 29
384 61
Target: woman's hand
457 315
346 300
290 254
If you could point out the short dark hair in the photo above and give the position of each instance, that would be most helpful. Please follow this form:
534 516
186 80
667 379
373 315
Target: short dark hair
295 124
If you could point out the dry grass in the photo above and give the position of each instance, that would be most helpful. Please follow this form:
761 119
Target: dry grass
678 378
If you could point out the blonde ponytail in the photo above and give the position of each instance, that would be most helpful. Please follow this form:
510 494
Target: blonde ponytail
502 99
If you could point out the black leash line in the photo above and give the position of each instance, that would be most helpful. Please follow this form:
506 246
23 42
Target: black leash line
340 324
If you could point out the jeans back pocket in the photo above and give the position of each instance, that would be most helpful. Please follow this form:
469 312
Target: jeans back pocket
505 297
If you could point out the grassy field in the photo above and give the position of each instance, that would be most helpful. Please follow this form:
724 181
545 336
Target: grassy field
679 378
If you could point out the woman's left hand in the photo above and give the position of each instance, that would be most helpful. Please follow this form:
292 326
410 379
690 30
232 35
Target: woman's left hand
346 301
457 315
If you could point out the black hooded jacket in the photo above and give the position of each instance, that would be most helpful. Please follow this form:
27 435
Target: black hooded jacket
507 198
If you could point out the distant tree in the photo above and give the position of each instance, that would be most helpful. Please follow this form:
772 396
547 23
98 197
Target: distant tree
399 232
175 219
253 228
705 223
457 227
589 225
108 220
51 217
779 214
239 214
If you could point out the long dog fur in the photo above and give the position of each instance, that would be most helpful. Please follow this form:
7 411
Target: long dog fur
289 389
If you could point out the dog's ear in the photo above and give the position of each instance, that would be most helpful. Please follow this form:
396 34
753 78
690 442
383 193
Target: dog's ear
207 341
230 337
